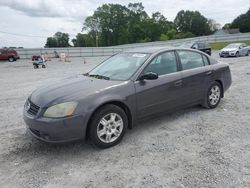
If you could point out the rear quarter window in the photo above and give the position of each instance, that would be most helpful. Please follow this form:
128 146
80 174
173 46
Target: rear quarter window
205 60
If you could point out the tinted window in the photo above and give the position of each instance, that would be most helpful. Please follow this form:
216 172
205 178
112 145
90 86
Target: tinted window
164 63
190 60
201 45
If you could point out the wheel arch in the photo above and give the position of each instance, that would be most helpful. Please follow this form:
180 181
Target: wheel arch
118 103
222 87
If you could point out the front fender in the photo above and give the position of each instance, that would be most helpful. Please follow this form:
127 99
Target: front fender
124 96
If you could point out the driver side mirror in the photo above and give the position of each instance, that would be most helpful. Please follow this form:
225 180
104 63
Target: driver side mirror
149 76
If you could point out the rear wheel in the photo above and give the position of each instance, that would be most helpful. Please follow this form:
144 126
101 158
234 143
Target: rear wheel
213 96
11 59
248 52
108 126
43 66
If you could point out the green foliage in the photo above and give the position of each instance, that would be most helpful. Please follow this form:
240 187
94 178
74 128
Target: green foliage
114 24
227 26
171 33
184 35
192 21
145 40
51 42
163 37
58 40
242 22
83 40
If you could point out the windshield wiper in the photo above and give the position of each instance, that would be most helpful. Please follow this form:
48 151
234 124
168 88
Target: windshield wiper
98 76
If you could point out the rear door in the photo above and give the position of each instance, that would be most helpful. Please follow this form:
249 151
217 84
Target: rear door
196 75
162 94
244 49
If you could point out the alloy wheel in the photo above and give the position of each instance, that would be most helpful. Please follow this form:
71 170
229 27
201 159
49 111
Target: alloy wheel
110 128
214 95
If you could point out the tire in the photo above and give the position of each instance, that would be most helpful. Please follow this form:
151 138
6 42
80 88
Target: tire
248 52
11 59
43 66
108 126
213 96
237 54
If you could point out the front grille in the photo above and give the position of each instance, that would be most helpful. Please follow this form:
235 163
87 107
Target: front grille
225 53
33 109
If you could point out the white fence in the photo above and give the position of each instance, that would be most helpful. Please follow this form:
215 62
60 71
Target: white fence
107 51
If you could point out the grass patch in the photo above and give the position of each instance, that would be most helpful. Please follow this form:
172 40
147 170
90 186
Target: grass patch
220 45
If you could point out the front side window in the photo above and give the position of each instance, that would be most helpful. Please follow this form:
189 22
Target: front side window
119 67
164 63
190 60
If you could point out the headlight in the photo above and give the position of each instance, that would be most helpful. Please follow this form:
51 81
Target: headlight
61 110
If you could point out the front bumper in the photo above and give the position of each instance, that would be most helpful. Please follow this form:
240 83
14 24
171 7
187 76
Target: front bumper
56 130
227 54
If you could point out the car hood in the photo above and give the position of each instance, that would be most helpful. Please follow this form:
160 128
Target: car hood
70 89
229 49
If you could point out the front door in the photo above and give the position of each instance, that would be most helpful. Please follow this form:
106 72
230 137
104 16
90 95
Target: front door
162 94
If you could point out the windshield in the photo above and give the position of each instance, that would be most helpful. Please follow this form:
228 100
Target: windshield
119 67
233 46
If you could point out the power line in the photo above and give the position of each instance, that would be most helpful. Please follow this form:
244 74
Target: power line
22 35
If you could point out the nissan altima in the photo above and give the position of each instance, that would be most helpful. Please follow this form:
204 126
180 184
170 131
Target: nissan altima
126 88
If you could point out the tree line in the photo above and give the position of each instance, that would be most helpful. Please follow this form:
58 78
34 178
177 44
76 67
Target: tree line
115 24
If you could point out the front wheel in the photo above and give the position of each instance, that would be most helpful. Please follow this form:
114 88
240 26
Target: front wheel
108 126
213 96
11 59
237 54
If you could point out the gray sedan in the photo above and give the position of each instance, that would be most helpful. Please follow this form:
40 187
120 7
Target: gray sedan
235 50
124 89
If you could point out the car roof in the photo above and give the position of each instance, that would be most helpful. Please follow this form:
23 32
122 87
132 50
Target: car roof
236 43
147 49
154 49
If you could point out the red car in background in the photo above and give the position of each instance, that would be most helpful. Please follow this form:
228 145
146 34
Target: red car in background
8 54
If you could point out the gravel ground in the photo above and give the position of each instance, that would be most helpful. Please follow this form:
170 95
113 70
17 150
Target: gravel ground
194 147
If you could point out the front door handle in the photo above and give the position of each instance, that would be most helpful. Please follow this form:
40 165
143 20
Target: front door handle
178 83
209 73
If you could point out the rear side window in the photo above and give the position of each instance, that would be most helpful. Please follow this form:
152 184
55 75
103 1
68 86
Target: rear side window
190 60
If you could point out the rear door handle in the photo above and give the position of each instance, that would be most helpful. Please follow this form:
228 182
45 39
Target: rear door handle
178 83
209 73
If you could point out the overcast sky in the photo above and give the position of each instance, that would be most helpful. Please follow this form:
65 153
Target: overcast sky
45 17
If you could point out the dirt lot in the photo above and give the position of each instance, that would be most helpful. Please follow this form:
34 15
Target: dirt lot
194 147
